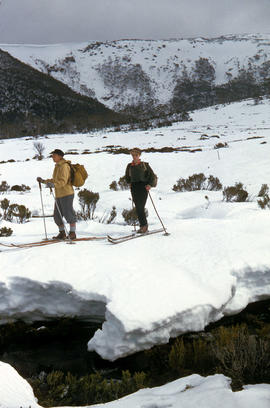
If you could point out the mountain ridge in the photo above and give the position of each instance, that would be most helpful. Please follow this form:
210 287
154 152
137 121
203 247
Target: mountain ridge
148 75
32 102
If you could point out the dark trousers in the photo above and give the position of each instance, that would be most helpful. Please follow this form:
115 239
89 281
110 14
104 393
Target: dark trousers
139 197
65 205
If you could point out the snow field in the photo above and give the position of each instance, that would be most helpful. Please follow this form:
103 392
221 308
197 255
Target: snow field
215 261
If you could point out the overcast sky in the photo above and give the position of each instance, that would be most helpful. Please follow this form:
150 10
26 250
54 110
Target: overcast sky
55 21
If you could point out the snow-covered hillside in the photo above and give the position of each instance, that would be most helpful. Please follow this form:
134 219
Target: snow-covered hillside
138 72
214 263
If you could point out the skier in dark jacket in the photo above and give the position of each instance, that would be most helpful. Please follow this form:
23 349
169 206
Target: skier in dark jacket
141 178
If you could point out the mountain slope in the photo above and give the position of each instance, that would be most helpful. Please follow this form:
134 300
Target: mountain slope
32 102
171 74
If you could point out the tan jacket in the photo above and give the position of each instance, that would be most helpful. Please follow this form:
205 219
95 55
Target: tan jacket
61 179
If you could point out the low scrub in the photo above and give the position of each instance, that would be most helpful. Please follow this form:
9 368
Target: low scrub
5 232
4 187
21 188
88 202
264 200
58 389
121 184
14 211
221 145
197 182
130 216
233 351
108 218
235 193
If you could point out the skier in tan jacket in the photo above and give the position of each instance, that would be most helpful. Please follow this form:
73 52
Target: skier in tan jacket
64 195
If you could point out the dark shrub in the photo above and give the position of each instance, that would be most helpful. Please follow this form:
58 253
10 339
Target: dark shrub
264 201
235 193
113 186
20 212
88 201
121 184
197 182
22 188
214 184
112 216
4 206
5 232
264 190
4 187
130 216
58 388
220 145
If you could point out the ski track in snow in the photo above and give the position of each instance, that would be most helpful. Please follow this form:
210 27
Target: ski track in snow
214 263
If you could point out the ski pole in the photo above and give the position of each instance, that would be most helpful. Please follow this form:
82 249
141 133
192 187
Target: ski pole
58 209
46 237
134 224
166 233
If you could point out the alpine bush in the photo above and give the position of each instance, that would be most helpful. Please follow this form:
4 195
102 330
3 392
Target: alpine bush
60 389
130 216
214 184
198 182
264 201
4 187
4 204
235 193
5 232
20 212
120 184
112 216
88 202
220 145
21 188
241 356
113 186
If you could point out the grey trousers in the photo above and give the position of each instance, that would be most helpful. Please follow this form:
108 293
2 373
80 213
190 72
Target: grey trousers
65 205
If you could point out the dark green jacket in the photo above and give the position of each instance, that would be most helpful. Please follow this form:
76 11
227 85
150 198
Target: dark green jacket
140 173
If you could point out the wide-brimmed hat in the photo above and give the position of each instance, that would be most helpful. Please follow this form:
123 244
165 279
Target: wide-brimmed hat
59 152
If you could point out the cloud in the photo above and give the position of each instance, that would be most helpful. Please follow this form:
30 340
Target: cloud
54 21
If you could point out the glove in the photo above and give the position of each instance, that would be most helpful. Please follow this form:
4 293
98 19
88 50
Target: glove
50 185
40 180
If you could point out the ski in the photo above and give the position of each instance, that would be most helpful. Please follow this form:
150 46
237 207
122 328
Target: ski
121 236
49 242
129 237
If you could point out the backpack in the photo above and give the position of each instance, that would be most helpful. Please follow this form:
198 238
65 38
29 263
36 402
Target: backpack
154 176
78 174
